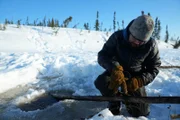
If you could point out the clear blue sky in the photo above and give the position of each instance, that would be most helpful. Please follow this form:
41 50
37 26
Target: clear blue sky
83 11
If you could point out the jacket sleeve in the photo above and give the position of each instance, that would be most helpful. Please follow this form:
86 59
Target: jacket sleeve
152 64
105 56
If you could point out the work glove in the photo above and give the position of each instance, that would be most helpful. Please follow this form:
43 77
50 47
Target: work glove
134 83
117 79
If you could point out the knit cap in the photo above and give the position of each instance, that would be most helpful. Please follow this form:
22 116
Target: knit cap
142 27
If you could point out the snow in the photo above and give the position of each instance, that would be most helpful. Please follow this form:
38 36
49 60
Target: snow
34 60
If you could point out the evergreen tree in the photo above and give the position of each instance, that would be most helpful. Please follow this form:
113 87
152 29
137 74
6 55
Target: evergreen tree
66 22
155 28
11 22
105 29
86 26
56 23
48 22
18 23
27 21
40 24
122 24
118 25
101 27
6 21
142 12
75 26
97 22
35 22
167 35
177 44
110 29
1 27
52 23
44 21
159 30
114 22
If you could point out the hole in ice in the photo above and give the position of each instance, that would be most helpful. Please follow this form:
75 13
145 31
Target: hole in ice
40 102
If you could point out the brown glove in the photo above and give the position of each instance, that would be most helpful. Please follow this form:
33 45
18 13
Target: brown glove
117 79
134 83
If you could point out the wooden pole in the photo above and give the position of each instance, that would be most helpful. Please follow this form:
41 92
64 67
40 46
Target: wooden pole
158 100
169 67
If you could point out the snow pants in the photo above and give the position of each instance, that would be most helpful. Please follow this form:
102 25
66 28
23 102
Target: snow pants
135 109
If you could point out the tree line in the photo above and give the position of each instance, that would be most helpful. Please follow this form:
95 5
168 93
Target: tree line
98 26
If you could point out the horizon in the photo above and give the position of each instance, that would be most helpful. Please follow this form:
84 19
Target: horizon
85 12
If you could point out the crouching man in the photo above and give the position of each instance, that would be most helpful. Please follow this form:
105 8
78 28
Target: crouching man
134 51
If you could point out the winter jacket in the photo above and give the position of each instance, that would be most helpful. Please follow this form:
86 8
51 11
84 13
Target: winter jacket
142 61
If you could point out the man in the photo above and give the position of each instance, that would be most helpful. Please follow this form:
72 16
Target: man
131 51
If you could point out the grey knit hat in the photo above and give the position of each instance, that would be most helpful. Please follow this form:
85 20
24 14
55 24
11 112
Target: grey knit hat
142 27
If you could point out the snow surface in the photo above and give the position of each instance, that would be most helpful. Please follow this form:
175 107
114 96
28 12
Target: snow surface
34 60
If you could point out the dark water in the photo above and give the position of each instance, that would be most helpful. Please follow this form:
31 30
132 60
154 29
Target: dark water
45 107
72 111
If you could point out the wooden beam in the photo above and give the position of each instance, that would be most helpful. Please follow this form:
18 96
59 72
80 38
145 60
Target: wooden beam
158 100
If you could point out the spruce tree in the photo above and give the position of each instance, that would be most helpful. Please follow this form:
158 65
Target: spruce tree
122 24
6 21
11 22
27 21
75 26
85 26
49 23
142 12
118 25
18 23
67 21
155 32
159 30
114 22
52 22
44 21
56 24
1 27
101 27
177 44
35 22
167 34
97 22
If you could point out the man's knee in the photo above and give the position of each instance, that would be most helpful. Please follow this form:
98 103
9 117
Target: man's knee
101 80
97 82
102 83
140 110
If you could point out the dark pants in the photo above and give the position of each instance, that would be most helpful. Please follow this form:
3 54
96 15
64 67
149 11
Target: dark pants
135 109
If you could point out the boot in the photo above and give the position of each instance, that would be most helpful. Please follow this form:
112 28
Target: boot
114 107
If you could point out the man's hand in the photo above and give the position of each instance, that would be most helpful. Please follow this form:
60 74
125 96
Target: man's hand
134 83
118 79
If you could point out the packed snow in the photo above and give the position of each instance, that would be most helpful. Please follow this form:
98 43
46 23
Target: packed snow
36 60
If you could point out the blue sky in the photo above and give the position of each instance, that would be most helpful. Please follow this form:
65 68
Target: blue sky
83 11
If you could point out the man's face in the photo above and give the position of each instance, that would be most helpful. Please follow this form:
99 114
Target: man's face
135 42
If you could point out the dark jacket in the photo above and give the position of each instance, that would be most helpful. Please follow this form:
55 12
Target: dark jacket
142 61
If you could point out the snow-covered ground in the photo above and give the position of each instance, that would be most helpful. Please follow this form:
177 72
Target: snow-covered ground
35 61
